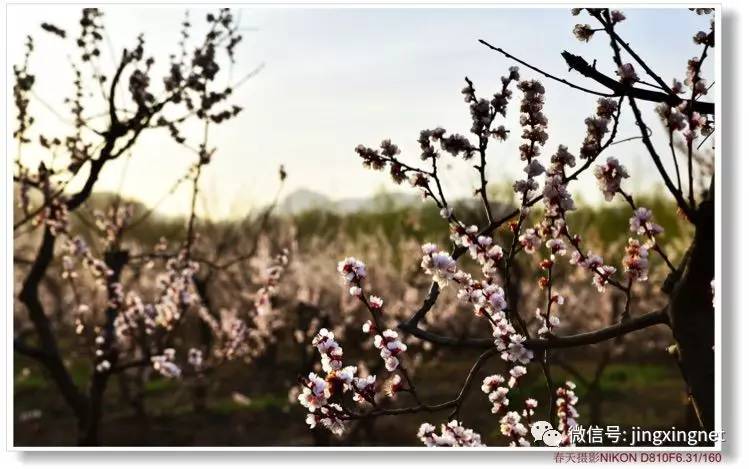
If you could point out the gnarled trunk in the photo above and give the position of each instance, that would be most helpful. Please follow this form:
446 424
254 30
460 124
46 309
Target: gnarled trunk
692 317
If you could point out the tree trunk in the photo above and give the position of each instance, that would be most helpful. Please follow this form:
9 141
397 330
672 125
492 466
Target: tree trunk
693 318
50 353
200 395
90 426
135 400
116 261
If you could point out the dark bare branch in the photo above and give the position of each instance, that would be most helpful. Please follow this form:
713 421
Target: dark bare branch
546 74
580 65
586 338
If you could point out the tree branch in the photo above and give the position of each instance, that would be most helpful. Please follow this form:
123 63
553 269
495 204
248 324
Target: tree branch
451 404
51 358
586 338
547 75
581 66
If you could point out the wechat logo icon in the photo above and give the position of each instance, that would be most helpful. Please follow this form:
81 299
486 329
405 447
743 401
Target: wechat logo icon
545 432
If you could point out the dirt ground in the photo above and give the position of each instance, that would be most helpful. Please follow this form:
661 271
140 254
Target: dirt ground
251 408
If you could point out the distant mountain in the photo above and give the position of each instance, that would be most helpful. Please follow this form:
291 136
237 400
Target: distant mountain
377 203
303 200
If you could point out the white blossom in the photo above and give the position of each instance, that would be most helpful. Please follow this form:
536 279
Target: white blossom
440 265
451 434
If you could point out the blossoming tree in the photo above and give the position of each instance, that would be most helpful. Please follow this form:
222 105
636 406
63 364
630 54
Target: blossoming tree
120 326
523 335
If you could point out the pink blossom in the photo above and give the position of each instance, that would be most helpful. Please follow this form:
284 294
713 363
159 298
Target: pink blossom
627 74
610 176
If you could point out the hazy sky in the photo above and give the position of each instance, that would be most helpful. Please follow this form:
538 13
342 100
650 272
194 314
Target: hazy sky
337 77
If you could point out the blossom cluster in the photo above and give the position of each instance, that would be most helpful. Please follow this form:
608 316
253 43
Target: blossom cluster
177 293
480 247
323 396
584 32
627 74
452 434
642 223
679 119
140 322
557 199
635 260
610 177
593 262
265 319
566 411
532 118
235 334
548 319
693 78
534 123
318 394
530 240
112 222
386 341
511 425
597 127
165 365
493 386
502 99
246 336
353 272
55 216
390 346
77 247
561 159
486 296
483 111
439 264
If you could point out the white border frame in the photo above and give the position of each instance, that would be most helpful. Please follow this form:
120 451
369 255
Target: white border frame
8 272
